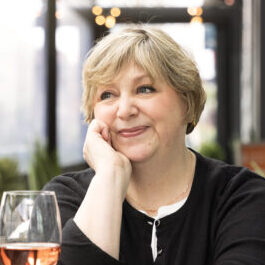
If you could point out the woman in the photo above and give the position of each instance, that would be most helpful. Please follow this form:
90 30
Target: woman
146 197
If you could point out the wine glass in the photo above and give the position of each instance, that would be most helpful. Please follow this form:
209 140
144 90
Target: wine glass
30 228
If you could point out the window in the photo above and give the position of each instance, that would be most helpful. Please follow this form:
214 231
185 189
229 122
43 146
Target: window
22 95
72 43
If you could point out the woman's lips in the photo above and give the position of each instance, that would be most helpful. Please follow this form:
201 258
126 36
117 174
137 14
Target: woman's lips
132 132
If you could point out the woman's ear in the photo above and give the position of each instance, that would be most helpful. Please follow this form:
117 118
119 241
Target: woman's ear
190 126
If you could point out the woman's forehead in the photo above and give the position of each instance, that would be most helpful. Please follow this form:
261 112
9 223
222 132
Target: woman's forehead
134 71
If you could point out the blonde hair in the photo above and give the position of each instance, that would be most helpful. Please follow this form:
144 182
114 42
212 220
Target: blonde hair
157 54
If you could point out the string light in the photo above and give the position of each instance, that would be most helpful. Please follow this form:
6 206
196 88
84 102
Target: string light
58 15
195 11
97 10
229 2
100 20
196 19
115 11
110 22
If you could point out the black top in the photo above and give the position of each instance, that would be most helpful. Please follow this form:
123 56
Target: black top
221 223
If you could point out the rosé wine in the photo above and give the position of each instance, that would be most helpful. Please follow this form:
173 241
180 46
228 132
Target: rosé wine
30 253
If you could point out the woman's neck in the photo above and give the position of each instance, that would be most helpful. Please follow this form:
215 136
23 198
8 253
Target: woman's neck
159 182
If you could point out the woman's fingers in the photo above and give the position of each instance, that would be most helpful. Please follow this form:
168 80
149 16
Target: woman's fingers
97 126
98 151
100 129
106 135
97 147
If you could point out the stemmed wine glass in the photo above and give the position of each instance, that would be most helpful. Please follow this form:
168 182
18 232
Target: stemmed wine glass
30 228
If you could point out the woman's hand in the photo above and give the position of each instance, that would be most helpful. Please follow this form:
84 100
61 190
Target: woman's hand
100 155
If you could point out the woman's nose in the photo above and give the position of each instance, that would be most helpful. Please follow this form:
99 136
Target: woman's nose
127 108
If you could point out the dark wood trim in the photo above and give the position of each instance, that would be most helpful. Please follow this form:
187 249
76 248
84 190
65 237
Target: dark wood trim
222 70
217 15
99 31
50 57
228 80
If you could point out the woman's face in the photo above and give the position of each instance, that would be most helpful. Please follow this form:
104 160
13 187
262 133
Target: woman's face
145 118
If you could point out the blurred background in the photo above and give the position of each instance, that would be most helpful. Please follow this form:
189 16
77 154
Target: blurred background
42 49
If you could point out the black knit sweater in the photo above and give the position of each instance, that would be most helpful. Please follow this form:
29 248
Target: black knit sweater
221 223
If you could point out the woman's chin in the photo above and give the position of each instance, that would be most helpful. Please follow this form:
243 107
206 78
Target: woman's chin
137 155
137 151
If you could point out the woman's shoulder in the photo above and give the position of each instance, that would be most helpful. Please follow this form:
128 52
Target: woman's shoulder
75 181
224 178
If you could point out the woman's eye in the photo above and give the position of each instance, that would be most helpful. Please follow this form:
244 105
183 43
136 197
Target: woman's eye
145 89
105 95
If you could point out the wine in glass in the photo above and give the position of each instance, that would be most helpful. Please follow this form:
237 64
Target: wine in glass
30 228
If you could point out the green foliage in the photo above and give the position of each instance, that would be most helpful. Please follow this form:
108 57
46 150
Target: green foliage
10 178
212 150
257 168
44 166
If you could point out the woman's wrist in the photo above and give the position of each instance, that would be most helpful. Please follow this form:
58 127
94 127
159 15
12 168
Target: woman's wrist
114 180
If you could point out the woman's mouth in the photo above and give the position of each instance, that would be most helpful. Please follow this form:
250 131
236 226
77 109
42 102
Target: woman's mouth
132 132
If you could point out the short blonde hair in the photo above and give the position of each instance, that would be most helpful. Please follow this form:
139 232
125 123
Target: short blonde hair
157 54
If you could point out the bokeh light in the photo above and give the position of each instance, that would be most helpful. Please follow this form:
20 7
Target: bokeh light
196 19
58 15
115 11
110 21
229 2
100 20
195 11
97 10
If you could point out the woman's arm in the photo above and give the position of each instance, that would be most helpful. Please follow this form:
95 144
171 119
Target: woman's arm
99 215
77 248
